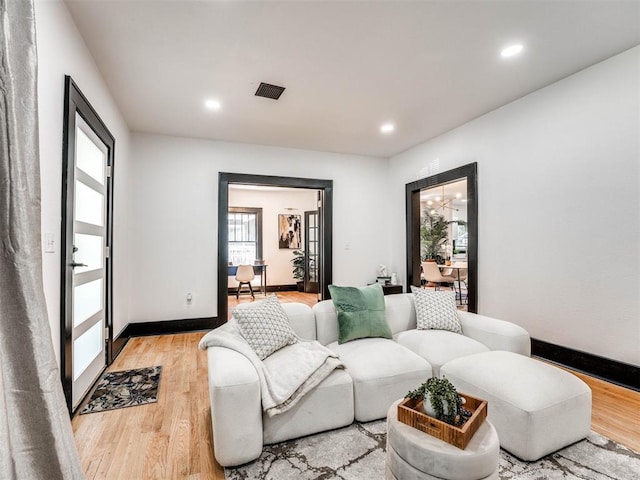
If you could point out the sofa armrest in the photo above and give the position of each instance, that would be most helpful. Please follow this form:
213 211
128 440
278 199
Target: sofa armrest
496 334
236 412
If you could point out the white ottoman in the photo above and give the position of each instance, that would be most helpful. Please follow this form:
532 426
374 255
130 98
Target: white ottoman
415 455
535 407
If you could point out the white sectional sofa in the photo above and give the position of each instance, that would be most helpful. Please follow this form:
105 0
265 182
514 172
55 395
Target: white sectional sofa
378 372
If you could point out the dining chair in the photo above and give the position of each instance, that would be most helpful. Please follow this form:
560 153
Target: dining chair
463 274
244 276
432 274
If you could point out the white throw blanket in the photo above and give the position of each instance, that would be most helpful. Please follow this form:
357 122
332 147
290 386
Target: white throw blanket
287 374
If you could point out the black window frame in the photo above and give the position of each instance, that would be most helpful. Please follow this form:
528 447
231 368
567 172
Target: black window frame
251 210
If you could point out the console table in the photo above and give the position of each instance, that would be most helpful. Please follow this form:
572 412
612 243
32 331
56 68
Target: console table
392 289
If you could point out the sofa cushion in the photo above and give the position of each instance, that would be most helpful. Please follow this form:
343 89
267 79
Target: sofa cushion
436 310
234 391
439 346
329 405
496 334
264 325
301 319
382 371
399 310
326 322
360 312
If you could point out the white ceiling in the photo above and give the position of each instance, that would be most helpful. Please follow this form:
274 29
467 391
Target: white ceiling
427 66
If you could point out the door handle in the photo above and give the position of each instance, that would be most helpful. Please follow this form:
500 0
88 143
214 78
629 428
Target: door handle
74 265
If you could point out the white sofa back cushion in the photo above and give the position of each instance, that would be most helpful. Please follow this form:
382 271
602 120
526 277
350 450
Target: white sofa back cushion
496 334
400 313
326 322
301 319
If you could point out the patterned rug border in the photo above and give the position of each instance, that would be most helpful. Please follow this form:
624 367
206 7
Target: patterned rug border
106 398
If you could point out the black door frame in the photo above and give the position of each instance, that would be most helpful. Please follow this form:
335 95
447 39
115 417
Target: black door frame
76 102
470 173
326 189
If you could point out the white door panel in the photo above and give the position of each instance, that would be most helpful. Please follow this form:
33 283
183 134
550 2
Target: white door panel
89 274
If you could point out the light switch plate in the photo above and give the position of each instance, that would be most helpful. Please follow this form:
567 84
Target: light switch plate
49 242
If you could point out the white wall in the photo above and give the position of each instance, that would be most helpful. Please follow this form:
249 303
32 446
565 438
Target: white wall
558 182
273 203
61 51
175 217
558 177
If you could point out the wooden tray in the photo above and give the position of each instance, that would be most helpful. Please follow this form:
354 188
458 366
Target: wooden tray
410 412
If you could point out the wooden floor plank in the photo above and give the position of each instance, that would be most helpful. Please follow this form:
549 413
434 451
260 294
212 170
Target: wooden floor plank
172 438
615 411
155 457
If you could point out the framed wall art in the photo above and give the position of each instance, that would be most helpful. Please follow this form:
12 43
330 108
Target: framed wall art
290 231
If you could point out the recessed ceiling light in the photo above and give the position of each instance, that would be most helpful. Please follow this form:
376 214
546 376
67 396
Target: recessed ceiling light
511 50
387 128
213 104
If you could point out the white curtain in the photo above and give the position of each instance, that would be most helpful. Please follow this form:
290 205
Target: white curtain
36 441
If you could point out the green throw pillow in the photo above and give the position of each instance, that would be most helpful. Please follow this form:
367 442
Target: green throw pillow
360 312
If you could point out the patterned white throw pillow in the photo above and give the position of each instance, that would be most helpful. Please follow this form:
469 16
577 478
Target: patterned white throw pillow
265 326
436 310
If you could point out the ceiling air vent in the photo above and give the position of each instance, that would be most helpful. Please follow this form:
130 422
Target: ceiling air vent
267 90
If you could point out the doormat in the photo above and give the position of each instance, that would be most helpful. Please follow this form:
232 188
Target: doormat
127 388
357 452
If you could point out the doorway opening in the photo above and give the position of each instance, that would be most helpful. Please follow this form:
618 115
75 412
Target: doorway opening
273 224
442 233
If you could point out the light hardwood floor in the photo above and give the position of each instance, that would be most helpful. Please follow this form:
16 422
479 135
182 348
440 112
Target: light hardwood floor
168 439
285 297
172 438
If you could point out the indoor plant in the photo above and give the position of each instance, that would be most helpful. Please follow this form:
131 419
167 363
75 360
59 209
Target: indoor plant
440 400
299 261
434 232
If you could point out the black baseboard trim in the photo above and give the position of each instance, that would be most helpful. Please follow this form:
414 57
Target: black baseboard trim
270 288
620 373
119 343
170 326
282 288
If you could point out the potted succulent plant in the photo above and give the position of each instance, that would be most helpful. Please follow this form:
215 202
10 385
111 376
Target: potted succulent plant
299 270
440 400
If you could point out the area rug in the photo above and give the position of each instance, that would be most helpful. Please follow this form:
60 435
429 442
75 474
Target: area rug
127 388
357 452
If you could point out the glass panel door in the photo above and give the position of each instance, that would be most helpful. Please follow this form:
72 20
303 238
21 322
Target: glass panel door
88 266
312 251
